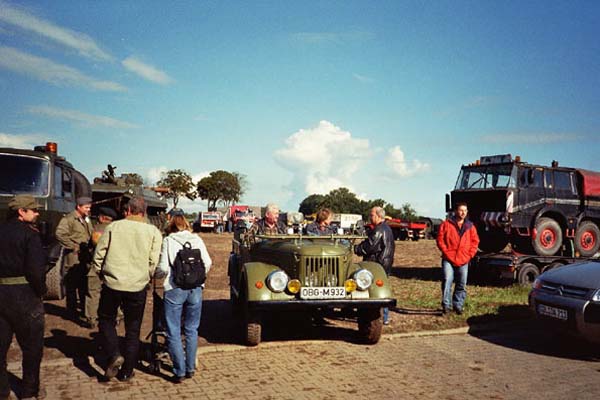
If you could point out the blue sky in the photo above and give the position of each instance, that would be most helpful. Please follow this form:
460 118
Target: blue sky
387 98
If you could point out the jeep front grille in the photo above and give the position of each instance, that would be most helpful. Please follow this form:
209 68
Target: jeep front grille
320 271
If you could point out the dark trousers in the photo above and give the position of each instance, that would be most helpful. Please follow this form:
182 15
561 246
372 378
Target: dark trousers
75 281
132 304
21 314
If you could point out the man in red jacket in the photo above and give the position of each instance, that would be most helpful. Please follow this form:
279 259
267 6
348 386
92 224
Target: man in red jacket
458 240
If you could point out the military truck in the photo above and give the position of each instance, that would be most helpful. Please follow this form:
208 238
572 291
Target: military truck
295 272
535 208
115 192
55 184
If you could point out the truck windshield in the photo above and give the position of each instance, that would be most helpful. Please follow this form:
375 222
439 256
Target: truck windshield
23 175
486 177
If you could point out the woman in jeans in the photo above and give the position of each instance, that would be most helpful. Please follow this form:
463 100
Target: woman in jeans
186 303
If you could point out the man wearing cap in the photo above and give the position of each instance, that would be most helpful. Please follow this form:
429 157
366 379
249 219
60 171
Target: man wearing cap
74 232
22 285
92 295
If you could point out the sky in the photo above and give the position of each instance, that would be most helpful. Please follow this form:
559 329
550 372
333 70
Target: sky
386 98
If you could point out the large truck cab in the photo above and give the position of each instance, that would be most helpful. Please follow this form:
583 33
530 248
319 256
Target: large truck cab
535 208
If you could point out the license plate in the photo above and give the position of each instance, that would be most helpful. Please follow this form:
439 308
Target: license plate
312 293
553 312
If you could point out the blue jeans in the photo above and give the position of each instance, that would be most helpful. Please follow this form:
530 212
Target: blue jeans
186 303
458 275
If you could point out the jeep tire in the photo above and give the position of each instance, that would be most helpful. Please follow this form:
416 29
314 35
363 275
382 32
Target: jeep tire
370 324
253 328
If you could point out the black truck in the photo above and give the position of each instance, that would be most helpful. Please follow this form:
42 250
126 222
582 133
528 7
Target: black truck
550 215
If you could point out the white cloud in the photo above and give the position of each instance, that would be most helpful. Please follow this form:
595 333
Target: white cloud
530 138
27 141
154 174
397 162
362 78
89 120
146 71
51 72
78 41
322 158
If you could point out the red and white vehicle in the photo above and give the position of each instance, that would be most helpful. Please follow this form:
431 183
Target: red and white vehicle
209 220
406 230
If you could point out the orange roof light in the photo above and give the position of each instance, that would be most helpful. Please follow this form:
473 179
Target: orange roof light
51 147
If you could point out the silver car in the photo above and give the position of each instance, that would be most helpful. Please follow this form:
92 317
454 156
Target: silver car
569 299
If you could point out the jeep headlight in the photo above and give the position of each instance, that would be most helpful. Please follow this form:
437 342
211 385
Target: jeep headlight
363 278
596 296
277 281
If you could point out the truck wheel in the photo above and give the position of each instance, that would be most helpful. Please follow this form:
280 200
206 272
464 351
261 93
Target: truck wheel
587 238
253 328
370 324
548 238
492 241
527 274
54 282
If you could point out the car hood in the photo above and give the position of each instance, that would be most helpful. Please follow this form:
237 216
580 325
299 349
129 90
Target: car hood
584 275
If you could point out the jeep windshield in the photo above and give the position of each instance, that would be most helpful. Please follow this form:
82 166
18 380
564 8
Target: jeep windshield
23 175
487 177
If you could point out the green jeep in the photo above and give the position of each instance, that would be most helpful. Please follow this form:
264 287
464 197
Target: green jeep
296 272
55 184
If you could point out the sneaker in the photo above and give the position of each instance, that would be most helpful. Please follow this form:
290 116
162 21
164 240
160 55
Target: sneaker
189 375
177 379
446 310
387 321
114 364
459 311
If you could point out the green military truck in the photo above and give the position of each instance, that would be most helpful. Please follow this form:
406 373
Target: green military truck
295 272
55 184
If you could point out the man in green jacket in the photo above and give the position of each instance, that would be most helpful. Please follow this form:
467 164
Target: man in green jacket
74 232
125 257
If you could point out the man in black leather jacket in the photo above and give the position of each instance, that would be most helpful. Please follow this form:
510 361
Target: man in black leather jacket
22 285
379 246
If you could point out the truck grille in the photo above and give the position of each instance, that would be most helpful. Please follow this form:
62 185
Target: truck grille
320 271
566 291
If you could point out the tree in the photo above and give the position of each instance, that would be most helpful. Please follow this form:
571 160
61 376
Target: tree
311 204
222 186
408 213
179 184
342 200
133 179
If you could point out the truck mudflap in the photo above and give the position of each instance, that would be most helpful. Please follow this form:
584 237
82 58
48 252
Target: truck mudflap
298 304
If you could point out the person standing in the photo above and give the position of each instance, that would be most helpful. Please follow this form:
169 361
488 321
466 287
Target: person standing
125 258
92 295
74 232
379 247
179 302
458 241
22 285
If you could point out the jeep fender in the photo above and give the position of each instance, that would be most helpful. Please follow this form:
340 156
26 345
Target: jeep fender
254 272
376 292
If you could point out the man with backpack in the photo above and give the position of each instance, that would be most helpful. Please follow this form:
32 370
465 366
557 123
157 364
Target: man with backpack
184 261
125 258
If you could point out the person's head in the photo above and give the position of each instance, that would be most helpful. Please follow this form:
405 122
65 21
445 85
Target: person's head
377 215
136 206
24 208
178 223
84 206
272 213
460 211
324 216
106 215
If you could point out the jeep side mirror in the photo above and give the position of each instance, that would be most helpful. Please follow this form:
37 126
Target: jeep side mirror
448 208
